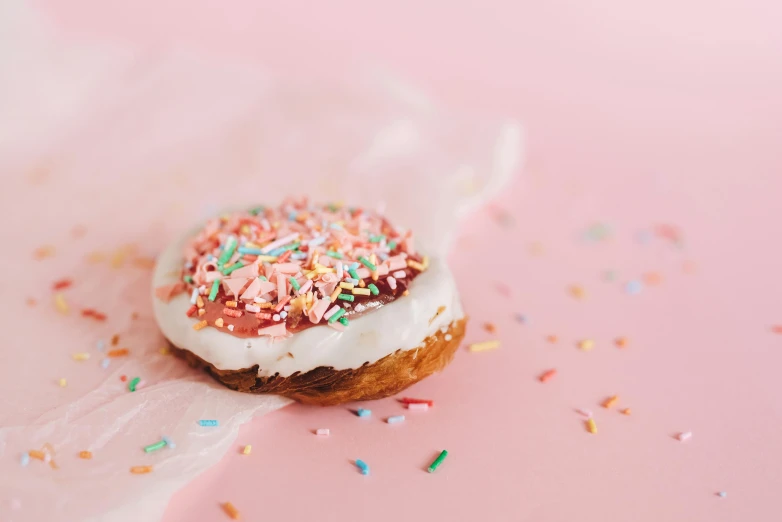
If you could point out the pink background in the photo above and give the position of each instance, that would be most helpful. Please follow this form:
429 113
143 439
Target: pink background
636 115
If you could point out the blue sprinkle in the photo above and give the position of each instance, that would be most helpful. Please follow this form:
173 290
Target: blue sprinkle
336 226
101 345
276 252
210 257
361 412
208 422
169 442
353 266
317 241
633 287
351 280
299 255
248 250
395 419
105 363
292 216
722 494
363 466
383 256
25 459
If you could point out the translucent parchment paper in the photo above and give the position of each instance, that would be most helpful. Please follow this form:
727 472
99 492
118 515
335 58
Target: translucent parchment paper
106 154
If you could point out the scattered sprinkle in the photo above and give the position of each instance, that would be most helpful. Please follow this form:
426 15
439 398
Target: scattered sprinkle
547 375
247 449
169 443
521 318
199 325
140 470
626 411
63 382
122 352
585 413
85 455
722 494
322 432
502 288
61 304
577 291
123 378
621 342
610 402
609 275
81 356
115 339
586 344
653 278
104 363
489 327
208 422
24 460
408 400
154 447
439 460
684 436
62 284
395 419
231 511
591 426
777 329
633 287
361 412
484 346
134 383
43 252
363 466
552 339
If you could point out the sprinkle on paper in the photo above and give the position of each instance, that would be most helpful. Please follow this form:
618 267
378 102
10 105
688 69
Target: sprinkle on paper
610 402
684 436
85 455
586 344
439 460
547 375
140 470
591 426
231 511
362 466
484 346
61 304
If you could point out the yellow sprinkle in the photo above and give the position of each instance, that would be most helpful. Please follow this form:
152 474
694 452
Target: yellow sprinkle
230 304
199 302
361 283
610 402
361 291
266 305
311 275
81 356
96 257
309 298
245 230
425 262
591 426
199 325
247 449
586 344
270 259
373 259
346 286
219 322
60 304
577 292
164 350
415 265
335 294
484 346
63 383
375 275
315 258
201 311
320 269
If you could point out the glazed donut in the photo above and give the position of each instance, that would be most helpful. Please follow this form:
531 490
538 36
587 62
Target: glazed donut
322 304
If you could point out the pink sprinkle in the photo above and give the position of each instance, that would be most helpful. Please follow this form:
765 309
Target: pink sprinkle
317 311
585 413
418 406
281 288
323 431
340 272
282 303
400 274
391 282
252 308
684 436
305 287
141 384
331 312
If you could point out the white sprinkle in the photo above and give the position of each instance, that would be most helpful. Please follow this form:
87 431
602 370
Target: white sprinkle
252 308
276 317
686 435
259 300
400 274
418 406
283 315
194 296
231 327
448 337
391 282
202 289
323 431
585 413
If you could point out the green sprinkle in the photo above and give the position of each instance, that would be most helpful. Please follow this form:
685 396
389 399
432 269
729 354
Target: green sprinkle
213 291
292 246
339 313
391 245
366 263
344 321
154 447
376 239
133 383
295 284
262 278
439 460
189 279
257 210
235 266
373 289
346 297
336 255
228 251
353 273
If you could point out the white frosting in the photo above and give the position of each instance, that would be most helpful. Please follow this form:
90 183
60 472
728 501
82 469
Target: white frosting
402 324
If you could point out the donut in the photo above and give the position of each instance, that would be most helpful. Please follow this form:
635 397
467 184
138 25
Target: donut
323 304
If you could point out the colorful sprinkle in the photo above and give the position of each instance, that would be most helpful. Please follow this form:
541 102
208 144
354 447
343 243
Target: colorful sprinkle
577 292
418 406
684 436
140 470
586 344
87 455
81 356
621 342
339 313
361 291
122 352
24 460
213 291
247 449
63 383
104 363
231 511
363 466
134 383
324 432
364 261
361 412
345 297
633 287
199 325
62 284
208 422
547 375
373 289
395 419
591 426
154 447
610 402
408 400
439 460
722 494
169 443
484 346
61 304
626 411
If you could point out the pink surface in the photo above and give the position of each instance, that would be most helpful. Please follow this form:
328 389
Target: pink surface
635 117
